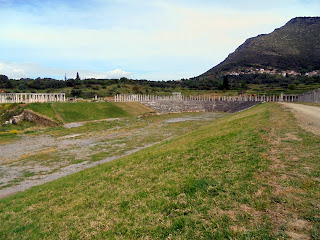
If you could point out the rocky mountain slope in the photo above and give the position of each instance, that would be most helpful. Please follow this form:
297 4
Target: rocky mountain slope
295 46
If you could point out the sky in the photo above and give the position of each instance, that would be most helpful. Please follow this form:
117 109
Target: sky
141 39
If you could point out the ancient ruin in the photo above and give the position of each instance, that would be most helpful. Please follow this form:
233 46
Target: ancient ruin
201 103
32 97
202 98
312 96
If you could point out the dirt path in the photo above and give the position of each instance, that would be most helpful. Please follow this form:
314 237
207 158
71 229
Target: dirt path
308 116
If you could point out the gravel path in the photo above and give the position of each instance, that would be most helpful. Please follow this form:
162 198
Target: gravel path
308 116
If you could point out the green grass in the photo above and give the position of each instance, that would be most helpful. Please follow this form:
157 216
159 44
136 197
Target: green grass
243 176
88 111
7 138
44 109
19 127
75 112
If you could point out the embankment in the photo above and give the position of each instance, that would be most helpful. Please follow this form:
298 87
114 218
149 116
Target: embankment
164 107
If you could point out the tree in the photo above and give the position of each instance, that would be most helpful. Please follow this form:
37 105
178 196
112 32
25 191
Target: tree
136 89
3 79
76 93
37 83
78 77
71 83
22 86
9 85
123 79
292 86
225 84
244 85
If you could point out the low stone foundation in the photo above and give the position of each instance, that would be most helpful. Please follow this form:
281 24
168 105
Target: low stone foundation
164 107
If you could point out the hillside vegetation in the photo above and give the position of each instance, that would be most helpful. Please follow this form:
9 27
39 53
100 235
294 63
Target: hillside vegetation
295 46
249 175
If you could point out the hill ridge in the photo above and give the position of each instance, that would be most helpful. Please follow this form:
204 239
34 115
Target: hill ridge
294 46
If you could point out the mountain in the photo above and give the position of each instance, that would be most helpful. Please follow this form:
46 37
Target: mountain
295 46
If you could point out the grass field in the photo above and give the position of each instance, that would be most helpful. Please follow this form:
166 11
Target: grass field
44 108
252 175
76 112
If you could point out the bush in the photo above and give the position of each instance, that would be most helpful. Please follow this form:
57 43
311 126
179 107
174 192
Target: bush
292 86
75 92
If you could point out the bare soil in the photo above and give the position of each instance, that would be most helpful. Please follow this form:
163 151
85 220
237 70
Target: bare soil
308 116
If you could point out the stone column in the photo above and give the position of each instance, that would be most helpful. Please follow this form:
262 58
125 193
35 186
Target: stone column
281 98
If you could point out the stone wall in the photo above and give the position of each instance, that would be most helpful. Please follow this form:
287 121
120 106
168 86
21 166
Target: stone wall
312 96
230 107
164 107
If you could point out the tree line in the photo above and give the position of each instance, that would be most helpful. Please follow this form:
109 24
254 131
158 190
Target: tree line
239 82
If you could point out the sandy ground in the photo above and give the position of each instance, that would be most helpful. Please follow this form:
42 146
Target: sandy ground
308 116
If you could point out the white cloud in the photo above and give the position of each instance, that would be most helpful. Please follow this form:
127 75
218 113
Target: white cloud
120 32
23 70
12 70
191 33
115 74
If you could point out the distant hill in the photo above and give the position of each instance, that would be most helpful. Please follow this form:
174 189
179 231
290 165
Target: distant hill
295 46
